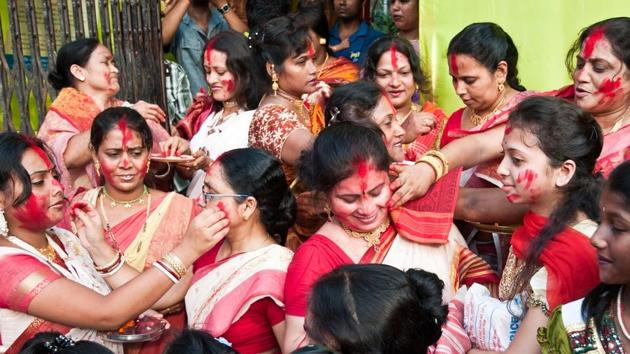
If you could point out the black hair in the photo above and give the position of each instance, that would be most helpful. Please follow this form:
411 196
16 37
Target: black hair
488 44
313 15
276 41
109 119
192 341
354 103
600 298
563 132
402 45
239 62
376 308
336 151
260 11
55 342
76 52
256 173
616 30
12 148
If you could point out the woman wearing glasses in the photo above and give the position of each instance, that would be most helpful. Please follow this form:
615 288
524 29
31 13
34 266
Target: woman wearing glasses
237 289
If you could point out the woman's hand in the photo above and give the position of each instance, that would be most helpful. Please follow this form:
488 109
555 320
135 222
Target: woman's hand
90 230
200 162
410 182
175 146
205 231
150 111
320 94
418 123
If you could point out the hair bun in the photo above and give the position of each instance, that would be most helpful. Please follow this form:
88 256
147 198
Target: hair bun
56 80
428 288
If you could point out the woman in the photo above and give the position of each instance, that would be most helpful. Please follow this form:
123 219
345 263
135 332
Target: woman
42 264
141 222
237 287
393 65
87 80
281 123
219 121
604 43
375 308
405 14
598 322
333 71
349 166
551 148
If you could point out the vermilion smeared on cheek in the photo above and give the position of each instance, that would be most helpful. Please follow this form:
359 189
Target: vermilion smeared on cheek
452 62
591 41
393 52
527 176
229 85
221 206
610 88
32 214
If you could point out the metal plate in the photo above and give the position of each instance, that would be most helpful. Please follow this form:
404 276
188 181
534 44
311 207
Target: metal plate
143 331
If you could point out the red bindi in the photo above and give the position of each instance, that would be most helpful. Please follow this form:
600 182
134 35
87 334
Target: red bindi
126 133
43 155
394 56
591 41
362 168
452 62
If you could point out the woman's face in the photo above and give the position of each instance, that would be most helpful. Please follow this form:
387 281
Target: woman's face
612 239
525 170
394 76
384 116
221 81
100 72
223 196
474 83
404 14
360 201
601 80
46 204
123 159
298 75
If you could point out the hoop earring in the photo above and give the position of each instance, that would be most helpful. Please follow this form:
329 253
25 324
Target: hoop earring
501 87
97 167
274 80
4 227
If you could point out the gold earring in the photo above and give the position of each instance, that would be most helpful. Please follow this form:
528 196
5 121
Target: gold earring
97 167
322 41
501 87
274 80
148 166
328 212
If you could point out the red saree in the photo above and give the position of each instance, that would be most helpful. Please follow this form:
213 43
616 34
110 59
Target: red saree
570 260
426 142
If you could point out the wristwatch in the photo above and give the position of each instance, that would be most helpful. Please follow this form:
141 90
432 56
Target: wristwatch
225 8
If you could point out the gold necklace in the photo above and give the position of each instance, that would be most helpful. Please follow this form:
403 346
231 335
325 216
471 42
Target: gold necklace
48 252
476 119
230 104
296 102
108 229
126 203
414 108
373 238
618 123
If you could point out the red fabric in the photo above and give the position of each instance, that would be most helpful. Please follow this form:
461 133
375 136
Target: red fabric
570 260
252 333
426 142
195 116
454 123
314 258
14 295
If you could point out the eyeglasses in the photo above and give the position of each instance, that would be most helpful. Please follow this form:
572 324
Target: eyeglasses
208 197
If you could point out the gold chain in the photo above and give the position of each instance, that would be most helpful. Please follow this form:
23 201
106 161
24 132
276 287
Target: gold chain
126 203
476 119
110 233
373 238
48 252
319 73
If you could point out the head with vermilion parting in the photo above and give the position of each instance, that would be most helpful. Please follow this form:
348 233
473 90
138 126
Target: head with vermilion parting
30 191
120 142
349 164
394 66
599 62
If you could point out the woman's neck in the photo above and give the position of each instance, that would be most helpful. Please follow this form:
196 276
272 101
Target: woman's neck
246 238
36 239
320 58
101 99
411 34
123 196
613 120
404 110
229 109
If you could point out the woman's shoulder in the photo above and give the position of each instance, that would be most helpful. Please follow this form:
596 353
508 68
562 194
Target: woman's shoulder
273 110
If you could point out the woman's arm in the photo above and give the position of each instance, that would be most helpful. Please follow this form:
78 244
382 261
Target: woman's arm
294 335
488 206
171 20
77 153
298 141
525 340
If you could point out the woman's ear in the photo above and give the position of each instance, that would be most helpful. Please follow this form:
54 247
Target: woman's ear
270 69
502 71
248 208
565 173
78 72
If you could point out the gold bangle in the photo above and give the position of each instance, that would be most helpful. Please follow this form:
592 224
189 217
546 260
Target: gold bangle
434 164
175 263
440 156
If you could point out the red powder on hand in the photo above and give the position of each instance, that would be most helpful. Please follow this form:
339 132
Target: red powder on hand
591 41
452 62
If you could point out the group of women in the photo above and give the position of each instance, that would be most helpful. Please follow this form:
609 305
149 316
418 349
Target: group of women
290 148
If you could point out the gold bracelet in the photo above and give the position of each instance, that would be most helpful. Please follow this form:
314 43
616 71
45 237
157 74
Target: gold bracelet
440 156
175 263
111 264
434 164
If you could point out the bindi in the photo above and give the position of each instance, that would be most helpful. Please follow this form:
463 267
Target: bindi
311 51
452 63
362 168
394 56
591 41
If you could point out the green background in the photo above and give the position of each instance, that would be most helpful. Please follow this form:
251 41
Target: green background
543 31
